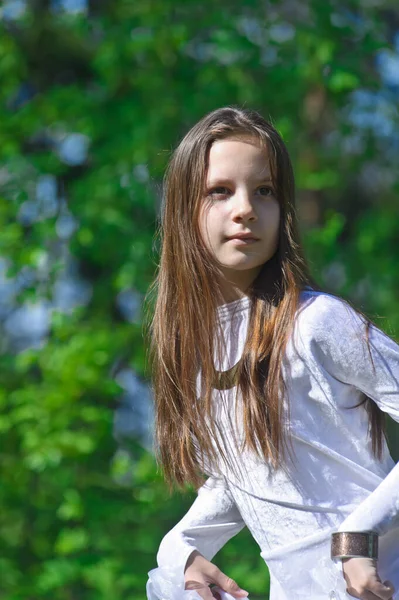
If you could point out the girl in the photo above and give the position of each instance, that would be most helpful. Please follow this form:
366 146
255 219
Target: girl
272 389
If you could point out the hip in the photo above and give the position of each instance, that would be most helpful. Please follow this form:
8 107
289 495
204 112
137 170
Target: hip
304 569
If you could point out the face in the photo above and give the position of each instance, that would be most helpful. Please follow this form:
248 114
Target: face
239 200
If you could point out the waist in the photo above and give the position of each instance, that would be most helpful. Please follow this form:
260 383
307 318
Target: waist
268 496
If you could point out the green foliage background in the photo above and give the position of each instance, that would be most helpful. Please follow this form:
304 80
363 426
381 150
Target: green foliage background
79 519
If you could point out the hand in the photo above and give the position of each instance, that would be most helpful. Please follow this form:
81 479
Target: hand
199 573
363 581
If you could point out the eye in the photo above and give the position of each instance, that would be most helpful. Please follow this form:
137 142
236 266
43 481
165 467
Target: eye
266 190
218 192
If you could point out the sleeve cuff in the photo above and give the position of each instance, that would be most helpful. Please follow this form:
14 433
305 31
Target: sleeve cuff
167 583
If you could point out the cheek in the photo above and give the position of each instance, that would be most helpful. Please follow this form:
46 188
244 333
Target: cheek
205 221
211 217
274 218
202 220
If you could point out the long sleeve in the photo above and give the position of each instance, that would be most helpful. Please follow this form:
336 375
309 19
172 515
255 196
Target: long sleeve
210 522
340 343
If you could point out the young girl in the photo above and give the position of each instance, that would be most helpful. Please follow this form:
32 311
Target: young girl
272 389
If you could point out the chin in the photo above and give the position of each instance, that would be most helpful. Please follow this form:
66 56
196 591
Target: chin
240 266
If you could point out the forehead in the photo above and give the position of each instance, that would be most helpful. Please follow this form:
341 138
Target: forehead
236 157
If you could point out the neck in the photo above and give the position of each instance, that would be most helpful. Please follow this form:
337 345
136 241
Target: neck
236 285
231 295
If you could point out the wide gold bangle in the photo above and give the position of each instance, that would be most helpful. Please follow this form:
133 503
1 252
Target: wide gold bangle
354 544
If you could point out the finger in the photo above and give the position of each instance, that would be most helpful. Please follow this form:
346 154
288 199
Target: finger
384 590
362 595
391 586
201 588
218 591
229 585
366 595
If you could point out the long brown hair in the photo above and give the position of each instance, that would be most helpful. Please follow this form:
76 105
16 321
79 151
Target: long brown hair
187 295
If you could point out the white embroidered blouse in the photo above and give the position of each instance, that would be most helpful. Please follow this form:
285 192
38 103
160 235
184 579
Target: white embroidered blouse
335 482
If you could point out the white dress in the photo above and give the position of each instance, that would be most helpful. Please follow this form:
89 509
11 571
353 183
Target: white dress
335 482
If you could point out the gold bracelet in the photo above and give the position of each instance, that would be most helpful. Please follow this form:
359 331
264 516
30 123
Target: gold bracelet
354 544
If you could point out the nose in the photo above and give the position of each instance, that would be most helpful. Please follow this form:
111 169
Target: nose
243 207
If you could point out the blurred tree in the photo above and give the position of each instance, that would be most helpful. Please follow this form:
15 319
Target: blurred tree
93 97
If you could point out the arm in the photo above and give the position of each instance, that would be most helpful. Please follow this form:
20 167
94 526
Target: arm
341 347
210 522
335 339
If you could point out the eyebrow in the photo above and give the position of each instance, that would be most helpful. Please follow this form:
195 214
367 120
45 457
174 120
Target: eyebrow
222 180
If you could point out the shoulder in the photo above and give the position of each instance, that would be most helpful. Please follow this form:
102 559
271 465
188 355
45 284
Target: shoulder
322 316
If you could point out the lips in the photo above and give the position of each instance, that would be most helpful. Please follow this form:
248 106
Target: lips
243 236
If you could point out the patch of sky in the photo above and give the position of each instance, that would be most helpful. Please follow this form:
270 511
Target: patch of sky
206 51
12 9
358 23
70 6
374 111
376 177
25 278
26 91
44 205
46 196
354 144
8 289
258 34
66 226
73 149
252 29
70 290
134 415
27 326
66 223
28 213
388 65
281 32
140 173
69 293
129 304
199 50
350 144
